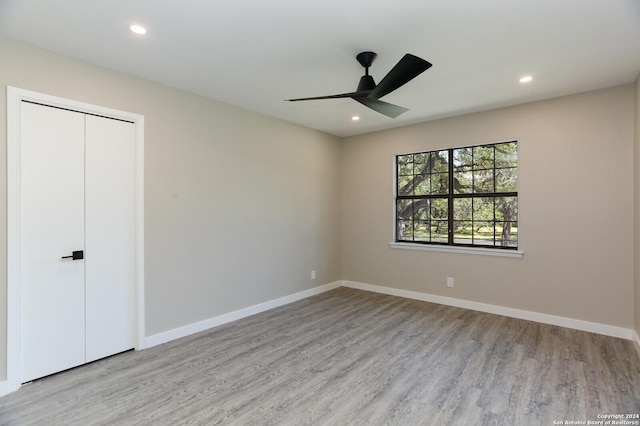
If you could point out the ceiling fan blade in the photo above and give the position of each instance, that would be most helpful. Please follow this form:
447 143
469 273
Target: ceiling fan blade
341 95
405 70
385 108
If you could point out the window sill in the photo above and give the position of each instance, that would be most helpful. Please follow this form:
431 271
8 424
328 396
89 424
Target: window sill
455 249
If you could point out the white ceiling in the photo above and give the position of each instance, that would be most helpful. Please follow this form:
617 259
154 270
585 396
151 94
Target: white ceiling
256 53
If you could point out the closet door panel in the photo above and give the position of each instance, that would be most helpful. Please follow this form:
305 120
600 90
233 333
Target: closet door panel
109 234
51 226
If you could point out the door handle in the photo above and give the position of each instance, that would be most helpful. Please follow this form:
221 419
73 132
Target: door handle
76 255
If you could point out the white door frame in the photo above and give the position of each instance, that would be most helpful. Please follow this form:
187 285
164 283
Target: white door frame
14 98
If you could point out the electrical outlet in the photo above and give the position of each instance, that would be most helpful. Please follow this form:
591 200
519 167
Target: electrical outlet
313 274
449 281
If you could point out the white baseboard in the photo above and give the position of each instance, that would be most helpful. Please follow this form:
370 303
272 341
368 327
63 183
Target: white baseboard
607 330
197 327
636 342
4 388
575 324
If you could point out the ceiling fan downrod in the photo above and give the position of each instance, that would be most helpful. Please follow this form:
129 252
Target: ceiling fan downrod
366 81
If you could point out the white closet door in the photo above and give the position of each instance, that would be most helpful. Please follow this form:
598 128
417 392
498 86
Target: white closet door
110 233
77 194
51 226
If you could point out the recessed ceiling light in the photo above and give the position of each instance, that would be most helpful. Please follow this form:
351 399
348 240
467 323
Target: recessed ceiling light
355 118
138 29
526 79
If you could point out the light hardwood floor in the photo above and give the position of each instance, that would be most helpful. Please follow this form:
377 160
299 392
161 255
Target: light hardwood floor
348 357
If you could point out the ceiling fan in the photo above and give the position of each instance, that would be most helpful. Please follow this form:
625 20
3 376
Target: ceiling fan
369 94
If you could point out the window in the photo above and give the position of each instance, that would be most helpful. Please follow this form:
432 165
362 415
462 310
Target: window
459 196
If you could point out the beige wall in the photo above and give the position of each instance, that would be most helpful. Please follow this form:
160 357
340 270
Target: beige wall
575 209
637 207
239 207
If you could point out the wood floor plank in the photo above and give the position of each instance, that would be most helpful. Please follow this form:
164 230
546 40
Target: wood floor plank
348 357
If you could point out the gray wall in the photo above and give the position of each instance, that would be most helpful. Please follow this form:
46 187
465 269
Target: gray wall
575 209
239 207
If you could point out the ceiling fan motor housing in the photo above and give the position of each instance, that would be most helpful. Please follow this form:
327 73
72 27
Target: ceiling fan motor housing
366 83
